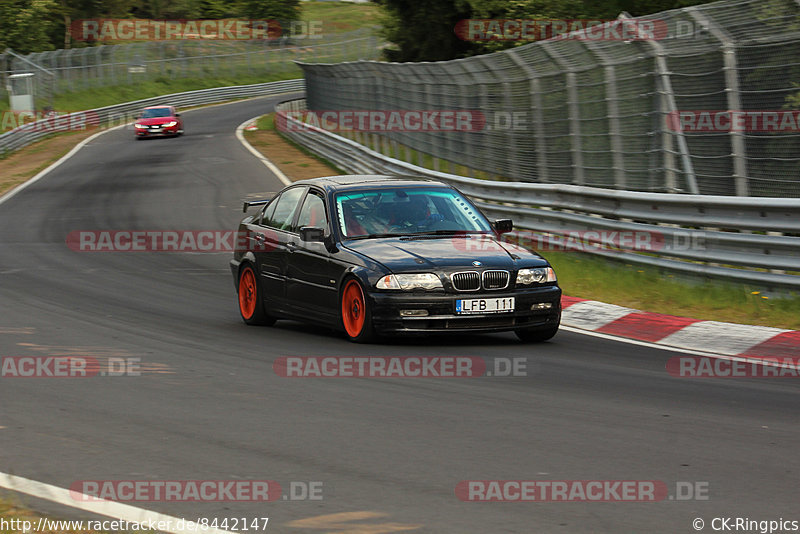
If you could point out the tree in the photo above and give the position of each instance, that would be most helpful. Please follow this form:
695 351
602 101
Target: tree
425 30
285 10
25 25
69 10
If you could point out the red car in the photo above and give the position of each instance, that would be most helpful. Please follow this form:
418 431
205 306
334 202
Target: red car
158 121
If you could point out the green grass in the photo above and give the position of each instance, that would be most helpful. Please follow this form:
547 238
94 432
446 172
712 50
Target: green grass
645 288
338 17
97 97
412 156
267 122
106 96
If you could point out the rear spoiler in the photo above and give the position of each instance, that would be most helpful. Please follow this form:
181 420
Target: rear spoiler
248 203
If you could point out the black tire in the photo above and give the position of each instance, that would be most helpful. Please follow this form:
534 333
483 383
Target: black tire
251 302
355 312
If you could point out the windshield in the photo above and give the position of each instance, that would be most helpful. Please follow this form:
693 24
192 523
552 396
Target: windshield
407 211
157 112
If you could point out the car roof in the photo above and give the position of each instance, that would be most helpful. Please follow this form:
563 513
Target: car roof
372 181
158 107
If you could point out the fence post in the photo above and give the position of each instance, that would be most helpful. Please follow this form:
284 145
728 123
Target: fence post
667 149
666 88
732 92
536 113
574 112
478 151
511 139
85 67
113 59
101 66
613 113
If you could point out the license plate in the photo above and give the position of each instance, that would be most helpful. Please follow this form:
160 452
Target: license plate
498 305
155 129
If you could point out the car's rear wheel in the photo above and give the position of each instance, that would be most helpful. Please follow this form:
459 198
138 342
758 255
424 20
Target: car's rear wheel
356 314
533 335
251 305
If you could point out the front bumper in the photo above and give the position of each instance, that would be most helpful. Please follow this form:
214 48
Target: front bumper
441 316
163 132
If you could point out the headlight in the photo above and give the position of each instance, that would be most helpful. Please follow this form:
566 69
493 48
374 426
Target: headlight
542 275
410 281
139 126
169 124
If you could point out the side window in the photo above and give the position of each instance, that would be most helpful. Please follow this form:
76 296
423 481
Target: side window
285 207
269 210
313 212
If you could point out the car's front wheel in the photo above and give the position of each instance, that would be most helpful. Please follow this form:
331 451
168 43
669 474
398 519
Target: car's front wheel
356 313
251 304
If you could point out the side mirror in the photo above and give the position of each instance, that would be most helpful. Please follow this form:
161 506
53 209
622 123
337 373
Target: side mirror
312 233
502 226
177 114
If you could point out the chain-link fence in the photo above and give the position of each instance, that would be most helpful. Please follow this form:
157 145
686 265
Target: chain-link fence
77 69
603 112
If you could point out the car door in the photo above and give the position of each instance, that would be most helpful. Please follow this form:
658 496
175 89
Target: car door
311 276
270 246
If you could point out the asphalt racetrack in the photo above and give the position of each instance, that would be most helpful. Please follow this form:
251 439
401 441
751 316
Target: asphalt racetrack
388 452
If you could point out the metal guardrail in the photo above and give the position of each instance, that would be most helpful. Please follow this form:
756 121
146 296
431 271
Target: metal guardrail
727 237
123 113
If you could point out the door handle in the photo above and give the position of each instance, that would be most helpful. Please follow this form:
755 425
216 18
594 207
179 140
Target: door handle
291 245
260 238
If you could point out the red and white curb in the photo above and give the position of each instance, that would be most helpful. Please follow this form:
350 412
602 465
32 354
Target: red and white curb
726 339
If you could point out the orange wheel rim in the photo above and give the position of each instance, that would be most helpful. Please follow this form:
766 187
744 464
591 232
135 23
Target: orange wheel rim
247 293
353 309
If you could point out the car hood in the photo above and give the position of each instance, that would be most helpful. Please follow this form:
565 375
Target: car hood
445 253
156 120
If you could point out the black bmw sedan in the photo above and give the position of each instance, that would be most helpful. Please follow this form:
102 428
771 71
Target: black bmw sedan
371 255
